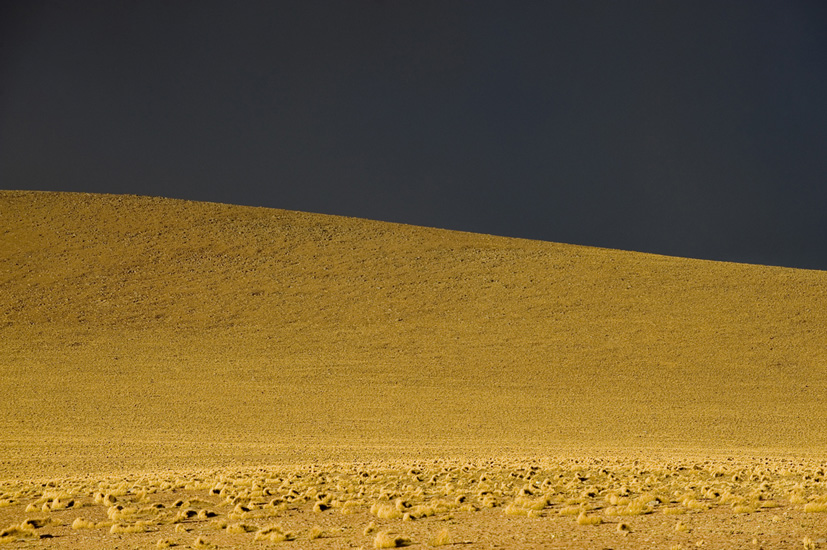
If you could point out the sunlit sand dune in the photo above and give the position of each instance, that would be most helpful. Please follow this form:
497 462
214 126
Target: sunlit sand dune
147 335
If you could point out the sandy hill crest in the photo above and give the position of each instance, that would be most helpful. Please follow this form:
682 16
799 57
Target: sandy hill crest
209 332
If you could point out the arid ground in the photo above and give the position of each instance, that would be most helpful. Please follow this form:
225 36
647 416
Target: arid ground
182 374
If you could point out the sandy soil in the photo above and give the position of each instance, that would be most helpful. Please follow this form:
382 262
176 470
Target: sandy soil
143 338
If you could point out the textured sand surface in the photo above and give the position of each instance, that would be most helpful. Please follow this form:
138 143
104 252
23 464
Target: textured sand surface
151 335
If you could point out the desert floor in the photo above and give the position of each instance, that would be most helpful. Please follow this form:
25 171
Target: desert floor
206 375
562 503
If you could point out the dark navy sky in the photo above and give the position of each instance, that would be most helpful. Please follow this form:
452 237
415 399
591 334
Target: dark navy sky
686 128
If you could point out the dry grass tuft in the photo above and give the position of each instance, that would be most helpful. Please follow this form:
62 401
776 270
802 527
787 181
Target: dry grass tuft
185 515
570 510
16 532
385 510
585 519
349 507
744 508
636 507
532 510
316 532
119 513
489 501
204 514
218 524
35 523
59 504
815 507
81 523
274 533
388 539
697 505
241 528
531 503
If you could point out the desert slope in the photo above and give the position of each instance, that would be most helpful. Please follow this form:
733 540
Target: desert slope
141 333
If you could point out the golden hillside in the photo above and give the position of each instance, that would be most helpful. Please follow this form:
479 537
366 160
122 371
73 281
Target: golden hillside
139 332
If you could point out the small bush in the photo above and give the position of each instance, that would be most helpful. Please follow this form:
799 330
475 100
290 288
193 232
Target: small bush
240 528
274 533
387 539
585 519
81 523
15 532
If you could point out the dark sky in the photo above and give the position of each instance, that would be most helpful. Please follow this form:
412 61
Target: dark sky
686 128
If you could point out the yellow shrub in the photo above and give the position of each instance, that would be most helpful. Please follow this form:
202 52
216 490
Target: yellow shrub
584 519
387 539
81 523
273 533
815 507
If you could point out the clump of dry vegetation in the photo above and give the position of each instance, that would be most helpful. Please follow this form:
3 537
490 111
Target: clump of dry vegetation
389 539
15 533
274 533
